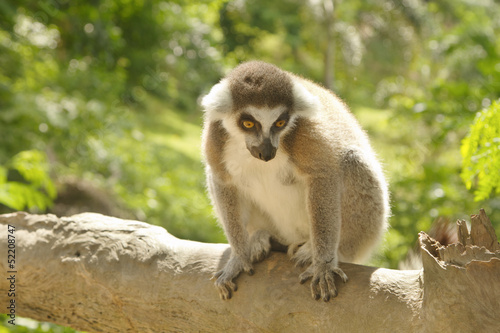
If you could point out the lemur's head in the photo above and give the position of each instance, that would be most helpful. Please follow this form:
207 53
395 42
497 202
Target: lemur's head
259 102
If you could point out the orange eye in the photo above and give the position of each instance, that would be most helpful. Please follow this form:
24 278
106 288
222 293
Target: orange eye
248 124
280 123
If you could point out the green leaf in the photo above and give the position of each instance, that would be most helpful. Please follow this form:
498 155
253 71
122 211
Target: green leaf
3 174
481 153
13 195
38 192
32 165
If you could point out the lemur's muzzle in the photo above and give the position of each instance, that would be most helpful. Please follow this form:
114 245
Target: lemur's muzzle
265 151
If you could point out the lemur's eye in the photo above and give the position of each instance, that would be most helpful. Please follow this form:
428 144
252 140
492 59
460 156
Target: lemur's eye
280 123
248 124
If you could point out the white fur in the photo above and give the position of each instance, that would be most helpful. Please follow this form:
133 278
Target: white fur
304 102
261 183
266 117
218 101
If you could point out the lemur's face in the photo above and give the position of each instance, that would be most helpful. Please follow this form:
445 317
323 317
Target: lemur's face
262 128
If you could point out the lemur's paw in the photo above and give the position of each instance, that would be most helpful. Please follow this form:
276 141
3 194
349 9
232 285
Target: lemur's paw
224 278
323 283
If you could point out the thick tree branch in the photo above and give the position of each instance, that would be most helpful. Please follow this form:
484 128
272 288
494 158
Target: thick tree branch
103 274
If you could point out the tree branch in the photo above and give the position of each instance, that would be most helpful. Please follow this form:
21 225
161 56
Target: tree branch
103 274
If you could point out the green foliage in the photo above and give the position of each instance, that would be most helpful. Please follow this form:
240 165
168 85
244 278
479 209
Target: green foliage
154 166
84 103
451 74
34 188
481 153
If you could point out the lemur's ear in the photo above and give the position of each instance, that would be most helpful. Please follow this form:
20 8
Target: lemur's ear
219 99
303 100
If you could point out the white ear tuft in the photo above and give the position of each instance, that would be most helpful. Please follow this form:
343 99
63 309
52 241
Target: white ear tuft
303 100
219 99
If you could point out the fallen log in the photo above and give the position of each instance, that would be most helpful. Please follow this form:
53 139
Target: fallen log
103 274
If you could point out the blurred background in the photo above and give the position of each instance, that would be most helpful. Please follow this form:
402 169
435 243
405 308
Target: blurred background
99 102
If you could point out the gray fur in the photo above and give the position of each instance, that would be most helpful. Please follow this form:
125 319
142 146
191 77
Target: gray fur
260 84
322 194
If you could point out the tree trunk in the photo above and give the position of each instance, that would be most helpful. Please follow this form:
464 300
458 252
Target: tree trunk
103 274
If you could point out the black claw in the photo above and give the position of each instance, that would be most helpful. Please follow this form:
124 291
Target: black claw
251 272
316 297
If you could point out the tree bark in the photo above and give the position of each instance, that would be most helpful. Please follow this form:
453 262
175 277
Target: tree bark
103 274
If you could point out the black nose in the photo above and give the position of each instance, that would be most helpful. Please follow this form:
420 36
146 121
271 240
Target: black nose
265 152
267 156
